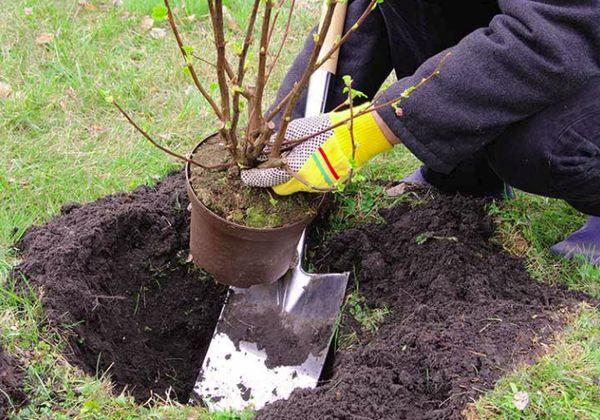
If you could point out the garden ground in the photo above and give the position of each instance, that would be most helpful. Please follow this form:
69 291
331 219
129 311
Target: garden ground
62 143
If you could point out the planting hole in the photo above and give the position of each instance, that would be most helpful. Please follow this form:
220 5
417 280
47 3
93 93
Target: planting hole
427 326
116 270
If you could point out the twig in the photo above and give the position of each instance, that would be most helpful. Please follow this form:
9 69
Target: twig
241 72
205 61
299 86
336 46
228 68
164 149
189 65
256 117
274 20
283 41
372 107
352 139
215 8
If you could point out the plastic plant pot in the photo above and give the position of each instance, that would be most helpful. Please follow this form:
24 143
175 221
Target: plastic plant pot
238 255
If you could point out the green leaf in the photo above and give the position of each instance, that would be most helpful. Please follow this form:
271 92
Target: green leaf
340 186
422 238
407 92
159 13
107 96
237 47
358 94
358 178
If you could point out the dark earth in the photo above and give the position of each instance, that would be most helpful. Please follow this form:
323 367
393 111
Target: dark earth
287 339
116 270
11 384
462 312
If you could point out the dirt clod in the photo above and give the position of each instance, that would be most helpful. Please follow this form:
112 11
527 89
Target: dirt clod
11 384
245 391
286 339
462 312
116 269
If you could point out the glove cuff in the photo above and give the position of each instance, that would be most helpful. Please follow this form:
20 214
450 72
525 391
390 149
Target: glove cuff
369 139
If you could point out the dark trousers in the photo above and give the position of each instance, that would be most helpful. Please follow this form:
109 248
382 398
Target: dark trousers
555 153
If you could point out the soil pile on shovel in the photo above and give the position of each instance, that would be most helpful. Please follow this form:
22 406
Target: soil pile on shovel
116 271
11 383
461 313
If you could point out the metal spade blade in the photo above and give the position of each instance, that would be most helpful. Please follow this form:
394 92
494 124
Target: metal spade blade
271 339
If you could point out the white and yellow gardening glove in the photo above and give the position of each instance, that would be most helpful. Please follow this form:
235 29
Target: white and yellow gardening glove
326 159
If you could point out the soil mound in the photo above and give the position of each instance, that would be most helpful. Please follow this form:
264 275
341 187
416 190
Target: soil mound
116 271
462 313
11 383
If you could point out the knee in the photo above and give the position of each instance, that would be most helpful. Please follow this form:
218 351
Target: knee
555 153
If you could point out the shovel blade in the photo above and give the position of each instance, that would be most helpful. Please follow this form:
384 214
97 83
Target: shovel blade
269 340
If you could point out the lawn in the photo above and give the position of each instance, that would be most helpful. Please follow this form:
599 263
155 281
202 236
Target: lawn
61 142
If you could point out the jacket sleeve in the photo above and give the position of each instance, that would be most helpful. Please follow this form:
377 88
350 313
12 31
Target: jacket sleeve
532 55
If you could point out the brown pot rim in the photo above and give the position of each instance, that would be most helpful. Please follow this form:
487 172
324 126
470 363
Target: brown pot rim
304 221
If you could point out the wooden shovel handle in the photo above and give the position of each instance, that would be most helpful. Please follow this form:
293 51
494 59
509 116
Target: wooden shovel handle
336 30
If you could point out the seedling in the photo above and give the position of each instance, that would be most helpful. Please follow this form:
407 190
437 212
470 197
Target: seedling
242 78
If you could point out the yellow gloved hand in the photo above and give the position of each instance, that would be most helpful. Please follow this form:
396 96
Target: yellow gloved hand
326 159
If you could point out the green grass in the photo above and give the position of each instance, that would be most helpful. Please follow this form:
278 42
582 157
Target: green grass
62 143
238 8
563 384
530 225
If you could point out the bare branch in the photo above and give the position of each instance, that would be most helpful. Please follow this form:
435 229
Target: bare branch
286 33
216 15
336 46
372 107
303 82
228 68
351 126
241 72
164 149
256 116
215 8
275 19
205 61
189 65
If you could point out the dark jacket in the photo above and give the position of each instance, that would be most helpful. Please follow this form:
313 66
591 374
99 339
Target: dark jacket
533 54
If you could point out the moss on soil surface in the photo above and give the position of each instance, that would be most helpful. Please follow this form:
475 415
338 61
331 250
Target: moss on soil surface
224 193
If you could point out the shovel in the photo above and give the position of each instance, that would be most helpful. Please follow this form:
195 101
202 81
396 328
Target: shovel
274 338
